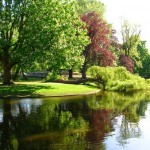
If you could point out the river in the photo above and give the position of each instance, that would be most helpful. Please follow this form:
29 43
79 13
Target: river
104 121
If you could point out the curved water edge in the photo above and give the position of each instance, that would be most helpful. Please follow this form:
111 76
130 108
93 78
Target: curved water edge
101 121
44 96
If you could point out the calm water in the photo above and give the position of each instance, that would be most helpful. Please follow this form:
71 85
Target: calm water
106 121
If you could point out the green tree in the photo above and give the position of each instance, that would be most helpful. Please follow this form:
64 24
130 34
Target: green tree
130 36
48 31
145 59
131 39
84 7
87 6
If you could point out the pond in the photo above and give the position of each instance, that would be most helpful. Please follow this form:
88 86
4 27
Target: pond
104 121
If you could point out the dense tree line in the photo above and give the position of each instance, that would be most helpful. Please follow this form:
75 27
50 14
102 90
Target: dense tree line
69 34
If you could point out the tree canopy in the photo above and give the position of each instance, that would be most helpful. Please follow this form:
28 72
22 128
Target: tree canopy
129 56
144 55
47 31
66 34
99 31
87 6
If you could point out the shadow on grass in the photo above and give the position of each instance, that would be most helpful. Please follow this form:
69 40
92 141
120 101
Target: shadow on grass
21 90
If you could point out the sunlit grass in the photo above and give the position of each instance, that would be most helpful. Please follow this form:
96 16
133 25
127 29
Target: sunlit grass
38 89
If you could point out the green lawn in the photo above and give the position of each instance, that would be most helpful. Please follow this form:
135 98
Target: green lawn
37 89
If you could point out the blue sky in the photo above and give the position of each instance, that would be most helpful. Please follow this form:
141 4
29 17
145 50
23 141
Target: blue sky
136 11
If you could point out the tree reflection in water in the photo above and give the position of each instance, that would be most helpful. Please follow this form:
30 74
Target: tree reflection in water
82 123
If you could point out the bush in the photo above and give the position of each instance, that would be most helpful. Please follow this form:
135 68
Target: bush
53 77
118 79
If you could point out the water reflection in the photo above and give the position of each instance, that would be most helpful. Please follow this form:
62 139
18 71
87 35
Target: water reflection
97 122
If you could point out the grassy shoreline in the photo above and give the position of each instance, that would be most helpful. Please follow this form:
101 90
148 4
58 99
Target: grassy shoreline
38 89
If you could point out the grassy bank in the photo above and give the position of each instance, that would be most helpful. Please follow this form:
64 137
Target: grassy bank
37 89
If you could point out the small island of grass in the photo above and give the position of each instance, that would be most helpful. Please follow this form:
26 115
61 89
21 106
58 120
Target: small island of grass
38 89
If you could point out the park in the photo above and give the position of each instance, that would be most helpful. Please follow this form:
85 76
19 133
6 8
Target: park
66 81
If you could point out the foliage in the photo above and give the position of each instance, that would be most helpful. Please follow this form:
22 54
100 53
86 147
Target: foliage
87 6
126 62
130 58
48 31
118 78
145 60
53 76
63 31
99 32
97 52
148 81
115 47
130 35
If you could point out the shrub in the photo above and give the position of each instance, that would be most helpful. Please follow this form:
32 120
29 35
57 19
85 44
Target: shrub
53 77
118 78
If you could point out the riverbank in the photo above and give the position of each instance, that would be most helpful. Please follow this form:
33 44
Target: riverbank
38 89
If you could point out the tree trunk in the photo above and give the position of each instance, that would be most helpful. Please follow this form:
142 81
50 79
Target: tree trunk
7 76
70 73
23 75
16 74
83 71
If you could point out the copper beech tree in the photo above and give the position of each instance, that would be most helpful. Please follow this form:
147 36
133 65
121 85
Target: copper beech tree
97 52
